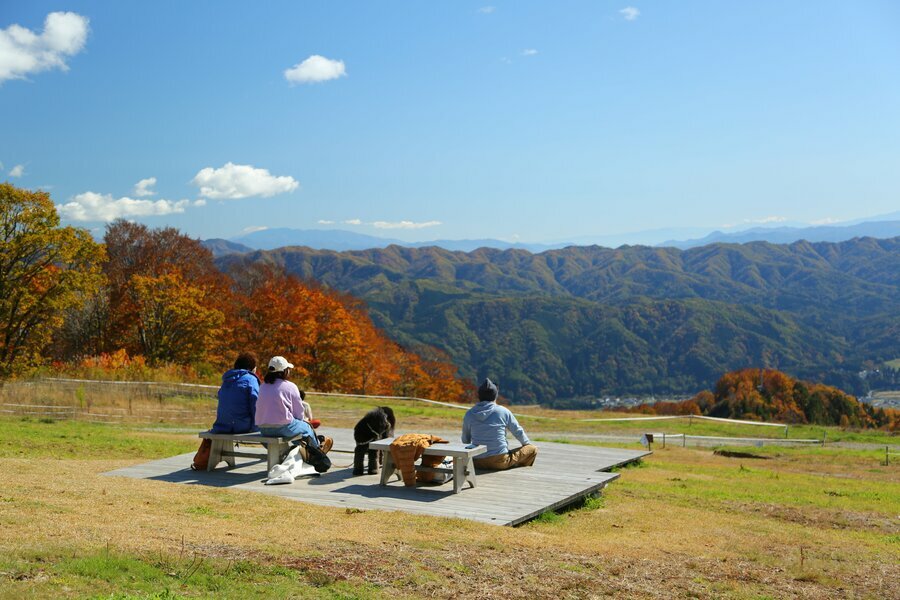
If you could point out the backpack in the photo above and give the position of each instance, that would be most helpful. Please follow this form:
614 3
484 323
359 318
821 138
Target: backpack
201 459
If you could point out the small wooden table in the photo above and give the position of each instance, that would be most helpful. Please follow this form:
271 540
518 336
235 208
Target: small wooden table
223 447
463 470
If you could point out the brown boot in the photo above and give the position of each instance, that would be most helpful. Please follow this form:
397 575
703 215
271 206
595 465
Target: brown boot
326 444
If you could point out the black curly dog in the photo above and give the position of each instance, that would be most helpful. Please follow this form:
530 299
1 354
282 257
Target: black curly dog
376 425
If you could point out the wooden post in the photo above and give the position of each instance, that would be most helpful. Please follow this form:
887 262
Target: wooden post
824 435
664 440
886 456
683 440
785 431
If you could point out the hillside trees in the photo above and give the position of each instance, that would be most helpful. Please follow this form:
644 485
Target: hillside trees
45 271
155 297
770 395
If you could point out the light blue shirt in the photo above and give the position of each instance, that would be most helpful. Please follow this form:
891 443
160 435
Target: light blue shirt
486 424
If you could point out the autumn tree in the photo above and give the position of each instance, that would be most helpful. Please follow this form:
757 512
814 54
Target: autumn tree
45 270
175 320
143 262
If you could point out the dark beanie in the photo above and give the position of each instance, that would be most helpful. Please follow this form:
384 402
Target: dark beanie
488 391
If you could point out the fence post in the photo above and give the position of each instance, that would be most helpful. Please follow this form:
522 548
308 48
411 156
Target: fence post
886 456
785 431
664 440
824 435
683 440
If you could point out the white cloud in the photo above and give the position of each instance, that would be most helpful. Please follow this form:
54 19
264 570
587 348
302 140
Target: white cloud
200 202
486 10
825 221
91 206
767 220
315 69
404 224
529 52
630 13
23 52
325 222
142 187
353 222
254 229
233 182
17 171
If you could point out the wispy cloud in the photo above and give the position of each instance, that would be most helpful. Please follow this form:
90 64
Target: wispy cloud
233 182
529 52
91 206
142 187
761 221
17 171
630 13
825 221
315 69
353 222
23 52
254 229
486 10
325 222
404 224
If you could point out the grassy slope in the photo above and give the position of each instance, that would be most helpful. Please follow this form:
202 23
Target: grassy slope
807 522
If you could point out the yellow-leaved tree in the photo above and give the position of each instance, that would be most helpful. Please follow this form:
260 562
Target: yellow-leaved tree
45 270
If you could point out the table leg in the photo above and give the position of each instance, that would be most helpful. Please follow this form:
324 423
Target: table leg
459 474
388 468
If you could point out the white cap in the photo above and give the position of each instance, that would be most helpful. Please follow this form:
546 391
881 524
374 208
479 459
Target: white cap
279 363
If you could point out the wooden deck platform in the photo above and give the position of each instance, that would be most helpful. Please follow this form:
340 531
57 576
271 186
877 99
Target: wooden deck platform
562 474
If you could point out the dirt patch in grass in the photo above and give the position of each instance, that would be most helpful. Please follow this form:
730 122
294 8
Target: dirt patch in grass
819 517
739 454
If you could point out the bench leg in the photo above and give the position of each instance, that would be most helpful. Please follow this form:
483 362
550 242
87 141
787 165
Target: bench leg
215 454
274 451
229 460
388 468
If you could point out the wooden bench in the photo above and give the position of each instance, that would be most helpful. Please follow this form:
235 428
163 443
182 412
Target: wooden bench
463 470
223 447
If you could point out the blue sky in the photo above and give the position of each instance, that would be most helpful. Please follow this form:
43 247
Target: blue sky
535 121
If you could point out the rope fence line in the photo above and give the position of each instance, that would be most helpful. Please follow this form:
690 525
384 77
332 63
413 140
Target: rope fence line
426 400
84 412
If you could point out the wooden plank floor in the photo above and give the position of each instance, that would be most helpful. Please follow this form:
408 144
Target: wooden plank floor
562 474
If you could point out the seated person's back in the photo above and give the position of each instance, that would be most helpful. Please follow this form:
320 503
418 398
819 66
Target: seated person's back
486 424
236 410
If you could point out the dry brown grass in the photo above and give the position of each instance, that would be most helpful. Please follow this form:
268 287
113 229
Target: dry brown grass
649 539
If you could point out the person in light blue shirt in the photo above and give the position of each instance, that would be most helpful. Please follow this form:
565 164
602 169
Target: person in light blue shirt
486 424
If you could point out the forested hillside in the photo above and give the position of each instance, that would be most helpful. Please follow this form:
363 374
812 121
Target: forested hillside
595 321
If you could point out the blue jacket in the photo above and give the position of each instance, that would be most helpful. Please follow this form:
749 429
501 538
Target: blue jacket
237 402
486 423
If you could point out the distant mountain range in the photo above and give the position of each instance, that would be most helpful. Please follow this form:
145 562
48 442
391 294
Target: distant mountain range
789 235
592 321
341 240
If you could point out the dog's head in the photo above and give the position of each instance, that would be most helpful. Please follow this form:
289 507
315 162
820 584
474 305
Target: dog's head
389 414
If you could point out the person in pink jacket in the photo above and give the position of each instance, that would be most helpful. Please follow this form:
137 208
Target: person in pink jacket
279 409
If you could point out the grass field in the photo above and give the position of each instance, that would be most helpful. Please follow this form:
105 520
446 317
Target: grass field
782 523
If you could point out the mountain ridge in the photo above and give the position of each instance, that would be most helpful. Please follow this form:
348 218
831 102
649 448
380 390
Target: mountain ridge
673 320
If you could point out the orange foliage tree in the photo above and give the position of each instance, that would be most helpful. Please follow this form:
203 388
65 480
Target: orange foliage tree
770 395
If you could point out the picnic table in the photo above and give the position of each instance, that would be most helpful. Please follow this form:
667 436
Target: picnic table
463 470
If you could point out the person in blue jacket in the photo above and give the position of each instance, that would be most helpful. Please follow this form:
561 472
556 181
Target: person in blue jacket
236 412
486 424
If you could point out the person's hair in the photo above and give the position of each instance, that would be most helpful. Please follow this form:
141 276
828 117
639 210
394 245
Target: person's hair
302 395
273 376
245 360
